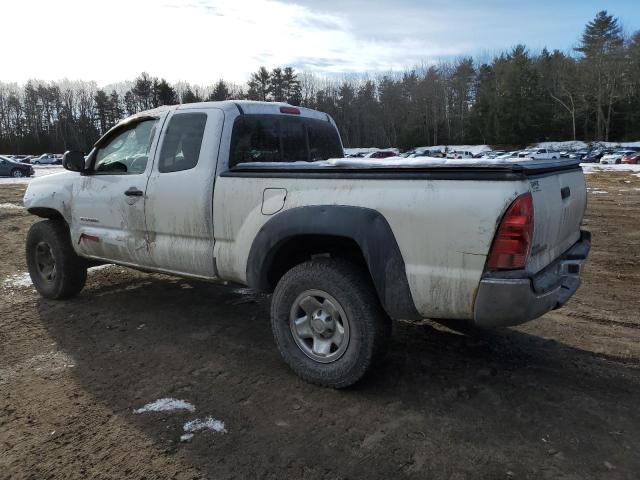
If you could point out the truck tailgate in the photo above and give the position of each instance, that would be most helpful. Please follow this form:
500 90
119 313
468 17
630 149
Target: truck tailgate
559 201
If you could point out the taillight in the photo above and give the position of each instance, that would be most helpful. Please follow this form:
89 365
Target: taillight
290 110
512 243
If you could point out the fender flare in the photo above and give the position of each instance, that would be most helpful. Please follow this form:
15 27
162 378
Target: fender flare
367 227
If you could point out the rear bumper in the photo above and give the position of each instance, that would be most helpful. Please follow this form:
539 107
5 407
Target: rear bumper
511 298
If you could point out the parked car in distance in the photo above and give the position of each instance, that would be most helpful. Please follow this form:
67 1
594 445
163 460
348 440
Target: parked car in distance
615 157
539 154
580 154
460 155
491 154
594 156
508 155
44 159
631 158
22 158
380 154
13 168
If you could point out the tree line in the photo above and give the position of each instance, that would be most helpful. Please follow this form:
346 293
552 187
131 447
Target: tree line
519 97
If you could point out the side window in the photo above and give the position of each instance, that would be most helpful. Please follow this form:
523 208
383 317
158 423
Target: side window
255 139
279 138
182 142
128 151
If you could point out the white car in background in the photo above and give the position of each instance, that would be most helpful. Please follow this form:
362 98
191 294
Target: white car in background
460 155
615 157
45 159
539 154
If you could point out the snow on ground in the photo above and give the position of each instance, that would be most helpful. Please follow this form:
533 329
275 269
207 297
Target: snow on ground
23 280
10 206
474 149
18 280
166 405
208 423
353 151
597 167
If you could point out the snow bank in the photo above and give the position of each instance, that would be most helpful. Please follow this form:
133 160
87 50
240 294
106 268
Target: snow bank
208 423
353 151
597 167
166 405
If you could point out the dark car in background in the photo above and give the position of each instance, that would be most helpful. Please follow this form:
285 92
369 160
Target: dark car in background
13 168
594 156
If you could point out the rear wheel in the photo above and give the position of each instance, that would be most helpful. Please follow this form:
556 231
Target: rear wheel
56 270
328 323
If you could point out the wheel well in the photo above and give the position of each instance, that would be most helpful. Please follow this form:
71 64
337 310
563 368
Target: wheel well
299 249
45 212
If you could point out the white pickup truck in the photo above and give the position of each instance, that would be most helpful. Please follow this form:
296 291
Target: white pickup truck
242 192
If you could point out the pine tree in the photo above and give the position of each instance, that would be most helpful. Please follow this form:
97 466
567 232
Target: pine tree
292 89
602 47
220 92
259 85
164 94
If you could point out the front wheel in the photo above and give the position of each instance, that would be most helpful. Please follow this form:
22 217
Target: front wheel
328 323
56 270
17 173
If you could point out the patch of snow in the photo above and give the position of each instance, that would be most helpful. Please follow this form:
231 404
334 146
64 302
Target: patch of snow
598 191
166 405
208 423
18 280
11 206
187 437
598 167
353 151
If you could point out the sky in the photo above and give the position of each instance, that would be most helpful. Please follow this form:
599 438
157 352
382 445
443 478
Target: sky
201 41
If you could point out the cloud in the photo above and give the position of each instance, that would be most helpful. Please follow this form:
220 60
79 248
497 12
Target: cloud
204 40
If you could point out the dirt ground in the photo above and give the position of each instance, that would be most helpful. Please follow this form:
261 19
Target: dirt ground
558 398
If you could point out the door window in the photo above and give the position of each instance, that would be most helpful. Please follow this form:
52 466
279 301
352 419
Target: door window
182 142
128 151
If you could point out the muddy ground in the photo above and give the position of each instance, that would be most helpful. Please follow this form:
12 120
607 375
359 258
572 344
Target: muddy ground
557 398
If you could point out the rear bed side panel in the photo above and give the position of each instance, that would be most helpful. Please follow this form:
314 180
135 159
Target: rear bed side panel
444 228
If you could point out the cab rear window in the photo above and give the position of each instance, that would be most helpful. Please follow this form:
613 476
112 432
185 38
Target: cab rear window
279 138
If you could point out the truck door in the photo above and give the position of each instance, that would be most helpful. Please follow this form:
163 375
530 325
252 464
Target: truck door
108 202
179 203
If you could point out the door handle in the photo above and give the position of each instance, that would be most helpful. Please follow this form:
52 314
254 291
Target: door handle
133 192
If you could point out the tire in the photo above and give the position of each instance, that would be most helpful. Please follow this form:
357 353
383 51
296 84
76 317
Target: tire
17 173
354 302
56 270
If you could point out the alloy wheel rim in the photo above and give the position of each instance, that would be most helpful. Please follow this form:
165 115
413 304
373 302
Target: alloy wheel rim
45 262
17 173
319 326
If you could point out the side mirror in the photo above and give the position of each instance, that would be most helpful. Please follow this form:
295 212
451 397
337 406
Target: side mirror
73 160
